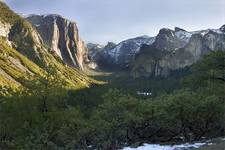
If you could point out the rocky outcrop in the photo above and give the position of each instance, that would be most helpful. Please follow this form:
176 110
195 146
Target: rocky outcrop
222 29
178 49
27 41
62 38
4 29
169 40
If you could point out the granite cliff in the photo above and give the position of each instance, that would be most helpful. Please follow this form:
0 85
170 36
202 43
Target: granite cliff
62 38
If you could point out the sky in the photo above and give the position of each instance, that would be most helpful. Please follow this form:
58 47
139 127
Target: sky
101 21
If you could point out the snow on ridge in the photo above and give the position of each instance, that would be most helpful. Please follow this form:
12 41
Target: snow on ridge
100 46
93 45
29 15
34 15
204 32
139 38
217 31
183 35
134 45
52 15
37 25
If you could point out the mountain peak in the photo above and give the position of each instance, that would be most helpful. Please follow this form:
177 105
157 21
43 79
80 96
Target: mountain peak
222 28
177 29
143 36
44 16
110 45
163 30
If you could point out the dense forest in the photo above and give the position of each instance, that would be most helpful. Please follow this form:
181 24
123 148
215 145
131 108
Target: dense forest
184 107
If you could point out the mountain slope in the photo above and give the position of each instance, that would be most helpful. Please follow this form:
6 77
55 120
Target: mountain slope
15 69
22 37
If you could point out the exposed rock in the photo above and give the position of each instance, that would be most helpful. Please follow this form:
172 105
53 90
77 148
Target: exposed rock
160 58
62 38
214 40
222 28
27 41
4 29
122 54
169 40
109 46
147 61
94 49
182 34
17 63
96 53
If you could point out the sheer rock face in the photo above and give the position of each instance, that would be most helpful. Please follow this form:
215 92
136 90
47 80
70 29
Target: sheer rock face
4 29
222 29
169 52
62 38
168 41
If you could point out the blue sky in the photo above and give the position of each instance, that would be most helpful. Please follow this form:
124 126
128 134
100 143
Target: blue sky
101 21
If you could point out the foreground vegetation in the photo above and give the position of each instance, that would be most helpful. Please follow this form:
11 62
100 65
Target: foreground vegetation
109 117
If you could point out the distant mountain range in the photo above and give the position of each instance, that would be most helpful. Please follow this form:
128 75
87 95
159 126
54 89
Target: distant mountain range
156 56
175 49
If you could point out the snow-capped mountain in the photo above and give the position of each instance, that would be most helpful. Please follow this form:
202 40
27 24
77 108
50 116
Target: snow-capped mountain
177 49
123 53
94 49
169 50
